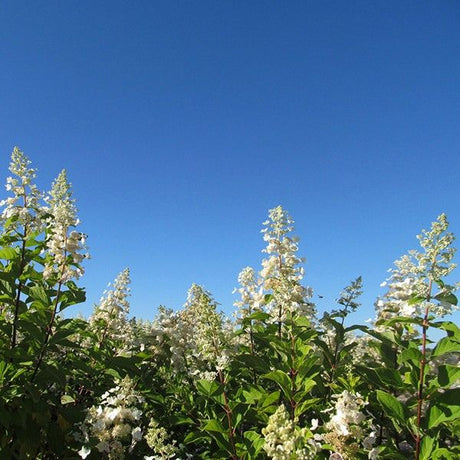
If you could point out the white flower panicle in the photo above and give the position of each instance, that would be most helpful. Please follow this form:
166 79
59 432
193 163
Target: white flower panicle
158 440
24 206
344 427
210 331
199 336
411 284
347 414
251 294
109 318
281 272
113 427
284 440
64 245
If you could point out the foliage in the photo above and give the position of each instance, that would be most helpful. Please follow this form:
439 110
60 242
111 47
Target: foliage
276 382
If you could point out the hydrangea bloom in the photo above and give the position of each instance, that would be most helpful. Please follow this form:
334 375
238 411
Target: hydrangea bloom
24 206
64 248
411 284
199 337
344 425
284 440
158 440
113 426
109 319
281 271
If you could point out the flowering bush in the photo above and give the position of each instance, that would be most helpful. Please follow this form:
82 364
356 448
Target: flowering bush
275 382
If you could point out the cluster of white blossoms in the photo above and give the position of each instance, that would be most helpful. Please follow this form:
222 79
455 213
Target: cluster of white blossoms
109 319
24 206
344 424
251 294
411 283
199 337
113 426
284 440
281 275
347 414
281 272
65 246
158 440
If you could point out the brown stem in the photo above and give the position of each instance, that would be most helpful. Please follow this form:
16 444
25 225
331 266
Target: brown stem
227 409
228 412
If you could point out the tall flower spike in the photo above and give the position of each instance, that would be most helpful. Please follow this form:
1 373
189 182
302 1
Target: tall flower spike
199 336
281 273
251 294
110 316
416 273
23 207
60 243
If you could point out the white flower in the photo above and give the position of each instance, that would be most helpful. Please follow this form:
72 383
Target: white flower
84 452
347 413
136 434
369 441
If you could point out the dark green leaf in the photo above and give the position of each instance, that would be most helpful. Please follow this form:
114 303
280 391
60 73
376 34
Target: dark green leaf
392 407
448 375
282 379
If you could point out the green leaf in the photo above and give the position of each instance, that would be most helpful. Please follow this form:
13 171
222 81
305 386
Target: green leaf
270 399
413 355
449 397
451 328
306 405
438 414
195 436
8 253
282 379
113 373
268 298
258 316
254 362
67 399
208 388
426 447
389 377
445 345
448 375
402 319
392 407
38 293
444 454
447 297
415 300
214 425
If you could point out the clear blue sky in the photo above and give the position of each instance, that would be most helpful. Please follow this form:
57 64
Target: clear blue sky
181 123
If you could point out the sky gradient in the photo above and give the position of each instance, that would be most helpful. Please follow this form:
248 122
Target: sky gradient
181 123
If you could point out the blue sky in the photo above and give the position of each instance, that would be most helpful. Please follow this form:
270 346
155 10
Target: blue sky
181 123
